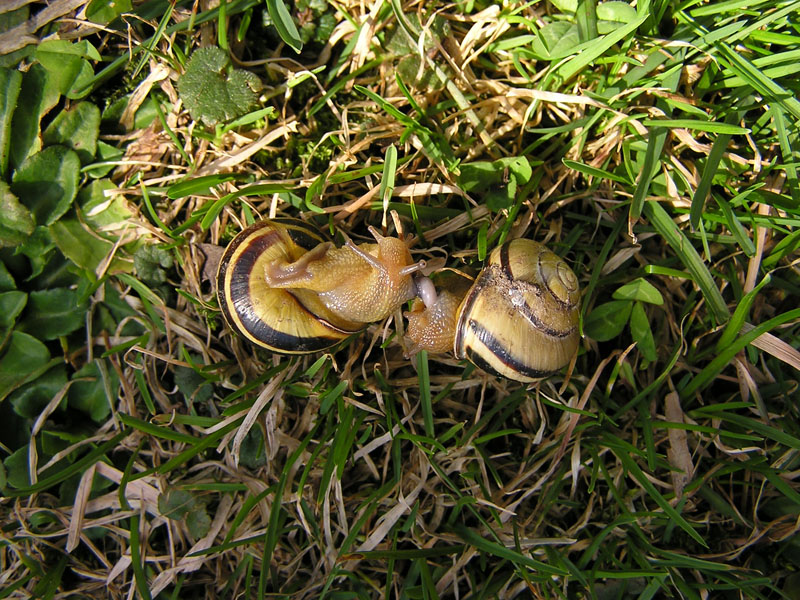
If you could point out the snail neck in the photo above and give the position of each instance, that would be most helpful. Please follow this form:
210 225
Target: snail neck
432 319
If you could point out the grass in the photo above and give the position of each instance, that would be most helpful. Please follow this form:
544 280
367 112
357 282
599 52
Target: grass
149 452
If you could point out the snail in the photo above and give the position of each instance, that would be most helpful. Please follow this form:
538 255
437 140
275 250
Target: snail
284 286
518 320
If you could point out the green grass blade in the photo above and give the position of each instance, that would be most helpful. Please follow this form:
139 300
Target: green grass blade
594 171
284 23
77 467
155 430
720 362
271 537
695 125
389 172
425 392
630 465
597 48
480 543
739 317
694 264
139 575
655 147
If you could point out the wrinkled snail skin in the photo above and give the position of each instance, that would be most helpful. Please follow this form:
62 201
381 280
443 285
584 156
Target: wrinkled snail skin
282 285
363 283
518 320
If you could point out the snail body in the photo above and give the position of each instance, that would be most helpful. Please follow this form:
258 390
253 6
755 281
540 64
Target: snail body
518 320
284 286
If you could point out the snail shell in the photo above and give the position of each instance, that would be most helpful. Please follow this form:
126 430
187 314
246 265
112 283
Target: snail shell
519 319
292 321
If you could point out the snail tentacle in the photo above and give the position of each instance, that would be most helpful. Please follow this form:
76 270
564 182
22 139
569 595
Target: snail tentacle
426 291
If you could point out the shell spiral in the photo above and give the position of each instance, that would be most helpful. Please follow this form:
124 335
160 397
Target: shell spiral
291 321
520 318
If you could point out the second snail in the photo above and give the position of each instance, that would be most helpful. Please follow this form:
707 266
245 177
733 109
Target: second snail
282 285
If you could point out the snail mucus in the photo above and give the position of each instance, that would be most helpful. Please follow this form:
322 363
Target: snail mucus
284 286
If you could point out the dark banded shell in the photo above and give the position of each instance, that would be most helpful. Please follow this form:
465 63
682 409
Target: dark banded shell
289 321
520 318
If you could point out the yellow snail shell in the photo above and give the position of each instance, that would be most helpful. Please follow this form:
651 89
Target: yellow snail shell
518 320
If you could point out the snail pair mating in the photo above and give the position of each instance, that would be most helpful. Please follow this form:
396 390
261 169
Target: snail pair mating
282 285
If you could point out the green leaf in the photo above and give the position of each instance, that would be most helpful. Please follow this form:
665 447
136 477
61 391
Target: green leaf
614 12
556 40
67 64
16 221
639 289
566 6
38 96
105 11
284 24
75 468
197 521
11 305
47 183
7 282
151 263
501 198
23 356
175 504
482 176
53 313
39 249
213 91
641 332
253 451
78 244
105 160
76 127
100 211
29 400
192 385
17 473
608 320
10 86
89 393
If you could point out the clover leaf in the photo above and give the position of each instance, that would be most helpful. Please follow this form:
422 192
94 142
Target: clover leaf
215 92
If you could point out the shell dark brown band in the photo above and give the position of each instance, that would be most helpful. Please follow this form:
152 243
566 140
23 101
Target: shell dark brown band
526 311
500 352
256 328
465 310
235 293
505 263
